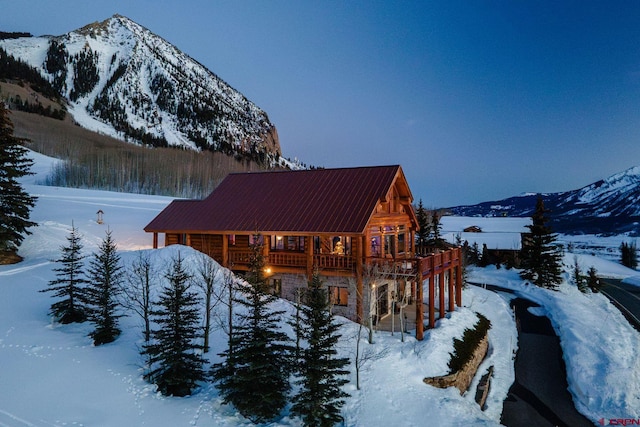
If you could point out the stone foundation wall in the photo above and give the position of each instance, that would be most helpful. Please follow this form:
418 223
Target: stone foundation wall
292 282
462 379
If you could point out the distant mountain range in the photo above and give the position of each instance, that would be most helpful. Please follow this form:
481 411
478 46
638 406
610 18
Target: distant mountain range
609 206
121 80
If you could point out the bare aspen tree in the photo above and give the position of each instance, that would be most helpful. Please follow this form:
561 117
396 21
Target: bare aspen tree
373 275
136 294
295 323
366 354
207 270
228 291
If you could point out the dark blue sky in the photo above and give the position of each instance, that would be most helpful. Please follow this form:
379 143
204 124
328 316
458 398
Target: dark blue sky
477 100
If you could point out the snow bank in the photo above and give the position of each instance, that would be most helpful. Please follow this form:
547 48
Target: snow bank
601 350
57 377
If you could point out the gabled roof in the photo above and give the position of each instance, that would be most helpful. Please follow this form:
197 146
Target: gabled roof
306 201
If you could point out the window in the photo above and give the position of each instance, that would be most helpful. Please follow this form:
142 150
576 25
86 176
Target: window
232 239
295 243
287 243
341 245
339 295
375 246
401 242
390 245
277 243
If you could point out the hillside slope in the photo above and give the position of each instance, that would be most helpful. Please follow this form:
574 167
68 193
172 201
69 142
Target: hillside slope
122 80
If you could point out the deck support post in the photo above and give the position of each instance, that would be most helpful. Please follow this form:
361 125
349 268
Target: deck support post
419 310
432 302
451 292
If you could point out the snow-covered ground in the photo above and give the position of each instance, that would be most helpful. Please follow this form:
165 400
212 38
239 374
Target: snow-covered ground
51 375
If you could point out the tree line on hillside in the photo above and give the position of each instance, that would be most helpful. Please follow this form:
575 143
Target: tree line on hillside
17 103
260 364
4 35
133 169
16 69
12 69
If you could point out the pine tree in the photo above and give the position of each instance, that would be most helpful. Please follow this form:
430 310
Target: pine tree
422 236
322 374
254 374
485 258
435 231
593 281
105 278
177 365
578 277
541 256
629 255
69 283
15 203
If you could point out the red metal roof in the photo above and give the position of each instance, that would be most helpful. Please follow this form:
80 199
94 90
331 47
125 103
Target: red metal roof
307 201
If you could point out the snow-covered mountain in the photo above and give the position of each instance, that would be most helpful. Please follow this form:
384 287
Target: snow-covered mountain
120 79
606 206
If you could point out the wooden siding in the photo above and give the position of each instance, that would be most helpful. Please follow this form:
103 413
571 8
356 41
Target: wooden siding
210 244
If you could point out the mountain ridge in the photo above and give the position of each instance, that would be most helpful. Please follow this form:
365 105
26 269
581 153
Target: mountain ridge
607 206
122 80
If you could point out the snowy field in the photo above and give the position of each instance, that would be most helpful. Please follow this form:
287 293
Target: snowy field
51 375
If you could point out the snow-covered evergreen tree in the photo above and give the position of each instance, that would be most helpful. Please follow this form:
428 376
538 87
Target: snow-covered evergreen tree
105 278
593 281
435 230
322 374
422 235
541 255
15 202
254 375
69 282
176 362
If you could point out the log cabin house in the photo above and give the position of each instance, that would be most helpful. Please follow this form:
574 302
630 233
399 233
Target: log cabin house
355 225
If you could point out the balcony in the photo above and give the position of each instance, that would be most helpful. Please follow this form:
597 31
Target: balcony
240 260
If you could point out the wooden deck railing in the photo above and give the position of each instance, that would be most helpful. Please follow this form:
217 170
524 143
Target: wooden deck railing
239 257
405 266
439 261
296 260
390 266
335 262
287 259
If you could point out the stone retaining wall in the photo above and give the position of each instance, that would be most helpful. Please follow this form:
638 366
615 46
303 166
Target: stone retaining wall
462 379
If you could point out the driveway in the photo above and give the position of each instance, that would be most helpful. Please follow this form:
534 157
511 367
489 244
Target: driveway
539 395
627 296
